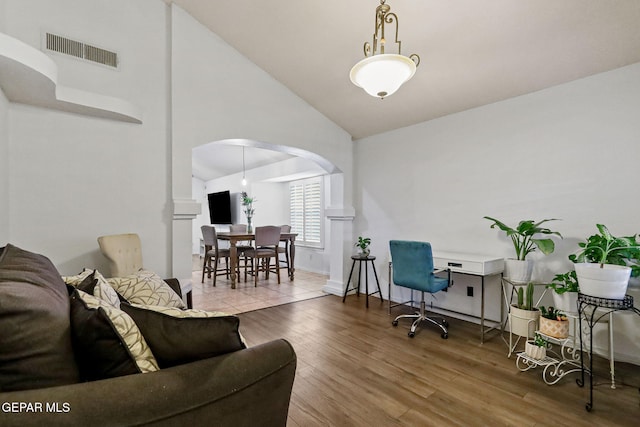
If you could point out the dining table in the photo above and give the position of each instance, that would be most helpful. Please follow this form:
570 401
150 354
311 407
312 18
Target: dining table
234 237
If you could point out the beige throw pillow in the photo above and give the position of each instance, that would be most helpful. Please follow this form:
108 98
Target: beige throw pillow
146 288
102 290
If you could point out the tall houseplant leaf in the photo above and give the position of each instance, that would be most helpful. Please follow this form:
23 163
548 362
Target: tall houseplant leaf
523 236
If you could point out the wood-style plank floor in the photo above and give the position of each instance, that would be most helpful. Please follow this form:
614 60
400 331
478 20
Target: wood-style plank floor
356 369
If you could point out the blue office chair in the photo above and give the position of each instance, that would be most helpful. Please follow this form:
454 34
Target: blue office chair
412 265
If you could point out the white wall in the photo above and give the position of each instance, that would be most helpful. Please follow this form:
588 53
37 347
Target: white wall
271 202
218 94
74 178
270 199
568 152
3 14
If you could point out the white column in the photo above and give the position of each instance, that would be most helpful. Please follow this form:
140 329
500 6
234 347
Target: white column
341 229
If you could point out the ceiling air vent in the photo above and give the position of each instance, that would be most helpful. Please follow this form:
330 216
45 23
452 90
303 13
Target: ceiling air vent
81 50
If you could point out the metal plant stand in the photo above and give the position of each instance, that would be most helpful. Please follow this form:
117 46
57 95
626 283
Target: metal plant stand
593 309
508 295
560 363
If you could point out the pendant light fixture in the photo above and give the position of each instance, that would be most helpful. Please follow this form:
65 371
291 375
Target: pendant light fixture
244 180
381 74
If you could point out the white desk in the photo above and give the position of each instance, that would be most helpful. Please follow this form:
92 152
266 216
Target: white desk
473 265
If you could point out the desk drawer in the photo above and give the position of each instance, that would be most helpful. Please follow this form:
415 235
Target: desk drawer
478 267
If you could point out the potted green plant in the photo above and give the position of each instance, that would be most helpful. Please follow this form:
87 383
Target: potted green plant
523 316
524 240
363 245
605 263
553 322
537 347
565 291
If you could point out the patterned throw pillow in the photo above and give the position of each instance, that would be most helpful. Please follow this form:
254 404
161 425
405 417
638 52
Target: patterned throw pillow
107 341
147 288
182 336
101 290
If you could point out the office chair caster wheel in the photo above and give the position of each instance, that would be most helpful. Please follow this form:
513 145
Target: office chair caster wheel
444 335
445 323
394 323
411 334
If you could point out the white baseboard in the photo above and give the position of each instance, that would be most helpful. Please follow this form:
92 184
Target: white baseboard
334 287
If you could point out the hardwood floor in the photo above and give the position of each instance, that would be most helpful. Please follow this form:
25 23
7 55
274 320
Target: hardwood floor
355 369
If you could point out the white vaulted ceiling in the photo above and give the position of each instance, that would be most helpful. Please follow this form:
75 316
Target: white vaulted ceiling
473 52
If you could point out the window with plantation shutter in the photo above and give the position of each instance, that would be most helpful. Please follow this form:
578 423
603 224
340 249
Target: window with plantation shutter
305 203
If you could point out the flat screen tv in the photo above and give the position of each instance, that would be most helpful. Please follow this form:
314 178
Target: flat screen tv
220 207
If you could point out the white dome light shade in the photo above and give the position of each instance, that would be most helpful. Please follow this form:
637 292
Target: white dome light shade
381 75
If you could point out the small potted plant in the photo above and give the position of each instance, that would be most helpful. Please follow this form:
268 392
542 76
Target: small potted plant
524 240
523 316
537 347
565 291
363 245
605 263
553 323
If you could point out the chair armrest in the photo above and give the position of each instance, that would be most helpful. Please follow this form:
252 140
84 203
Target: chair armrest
448 271
236 389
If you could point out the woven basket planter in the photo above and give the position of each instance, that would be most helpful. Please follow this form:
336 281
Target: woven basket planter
554 328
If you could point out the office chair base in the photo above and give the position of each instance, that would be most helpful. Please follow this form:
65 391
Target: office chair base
419 317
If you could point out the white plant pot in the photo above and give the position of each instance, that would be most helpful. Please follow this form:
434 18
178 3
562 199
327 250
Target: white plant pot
517 271
610 281
567 302
523 322
535 351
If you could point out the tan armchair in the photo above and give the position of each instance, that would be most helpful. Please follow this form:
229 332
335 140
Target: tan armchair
124 253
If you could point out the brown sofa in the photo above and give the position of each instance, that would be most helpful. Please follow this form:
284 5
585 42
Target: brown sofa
41 386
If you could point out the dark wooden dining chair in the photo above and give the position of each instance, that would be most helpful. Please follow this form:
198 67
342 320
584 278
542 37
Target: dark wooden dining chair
242 247
213 254
266 241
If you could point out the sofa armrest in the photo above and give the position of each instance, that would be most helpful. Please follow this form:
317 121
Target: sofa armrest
244 388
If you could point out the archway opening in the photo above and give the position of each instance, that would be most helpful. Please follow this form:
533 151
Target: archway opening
269 169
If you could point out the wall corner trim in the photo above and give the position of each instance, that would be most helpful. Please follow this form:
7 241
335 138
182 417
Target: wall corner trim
186 209
340 213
